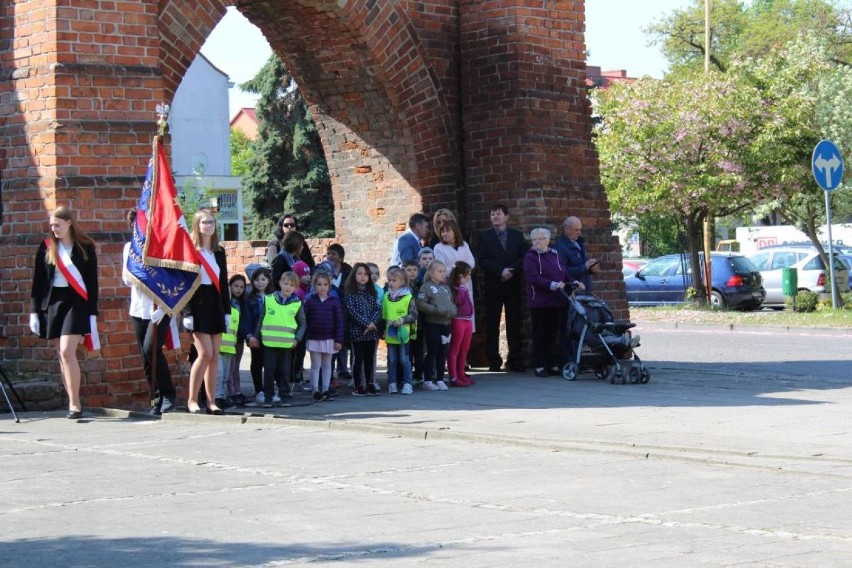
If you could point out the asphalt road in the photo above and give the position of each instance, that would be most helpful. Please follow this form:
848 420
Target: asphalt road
737 453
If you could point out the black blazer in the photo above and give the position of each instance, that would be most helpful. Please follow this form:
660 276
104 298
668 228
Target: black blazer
224 287
492 258
43 279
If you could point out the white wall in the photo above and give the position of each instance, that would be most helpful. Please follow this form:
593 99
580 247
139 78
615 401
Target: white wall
199 120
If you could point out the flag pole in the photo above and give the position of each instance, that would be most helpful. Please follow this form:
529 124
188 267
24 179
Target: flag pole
162 124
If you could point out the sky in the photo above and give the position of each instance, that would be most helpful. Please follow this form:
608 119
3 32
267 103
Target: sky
614 39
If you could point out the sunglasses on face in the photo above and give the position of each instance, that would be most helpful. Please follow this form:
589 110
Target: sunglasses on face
288 225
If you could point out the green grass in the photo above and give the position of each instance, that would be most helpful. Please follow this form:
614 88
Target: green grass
691 314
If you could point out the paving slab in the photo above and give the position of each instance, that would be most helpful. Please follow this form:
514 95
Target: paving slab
697 468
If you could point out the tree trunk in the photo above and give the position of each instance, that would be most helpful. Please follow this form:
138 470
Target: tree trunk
693 235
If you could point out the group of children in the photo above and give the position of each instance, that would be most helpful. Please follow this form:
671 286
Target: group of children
424 313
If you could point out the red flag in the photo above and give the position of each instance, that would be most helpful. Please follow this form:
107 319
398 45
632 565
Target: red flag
166 245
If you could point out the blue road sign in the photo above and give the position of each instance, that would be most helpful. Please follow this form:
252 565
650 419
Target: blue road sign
827 165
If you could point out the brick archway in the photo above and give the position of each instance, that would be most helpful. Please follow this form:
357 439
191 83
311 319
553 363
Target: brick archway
420 104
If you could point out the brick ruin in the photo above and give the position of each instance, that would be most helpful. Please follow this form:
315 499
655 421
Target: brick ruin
420 105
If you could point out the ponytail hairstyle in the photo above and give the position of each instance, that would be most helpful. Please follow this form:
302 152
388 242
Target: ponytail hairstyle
459 271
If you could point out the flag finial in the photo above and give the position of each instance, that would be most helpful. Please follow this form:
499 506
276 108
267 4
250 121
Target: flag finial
162 118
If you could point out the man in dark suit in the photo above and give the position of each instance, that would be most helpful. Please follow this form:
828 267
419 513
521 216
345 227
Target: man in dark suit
500 253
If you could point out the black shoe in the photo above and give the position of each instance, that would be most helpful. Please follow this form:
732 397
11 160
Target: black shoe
373 390
223 403
74 414
494 369
217 412
317 396
330 393
555 371
541 373
168 405
325 396
359 391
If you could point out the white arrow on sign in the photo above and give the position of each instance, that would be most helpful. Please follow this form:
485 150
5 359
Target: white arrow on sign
828 167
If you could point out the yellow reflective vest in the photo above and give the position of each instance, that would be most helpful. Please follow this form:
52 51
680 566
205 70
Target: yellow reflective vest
229 338
392 311
279 323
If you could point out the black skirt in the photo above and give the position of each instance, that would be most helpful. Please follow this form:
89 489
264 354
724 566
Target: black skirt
206 310
66 315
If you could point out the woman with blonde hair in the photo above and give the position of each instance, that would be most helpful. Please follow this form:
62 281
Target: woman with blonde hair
441 215
208 312
64 305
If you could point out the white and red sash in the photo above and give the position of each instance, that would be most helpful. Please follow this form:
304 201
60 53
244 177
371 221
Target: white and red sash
213 274
172 336
72 274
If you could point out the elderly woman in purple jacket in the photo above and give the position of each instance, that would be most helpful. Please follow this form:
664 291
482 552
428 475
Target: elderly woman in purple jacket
546 277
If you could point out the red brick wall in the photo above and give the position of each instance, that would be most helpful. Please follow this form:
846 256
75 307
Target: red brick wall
527 124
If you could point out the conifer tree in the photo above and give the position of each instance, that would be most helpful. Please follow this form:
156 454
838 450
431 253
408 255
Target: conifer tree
287 171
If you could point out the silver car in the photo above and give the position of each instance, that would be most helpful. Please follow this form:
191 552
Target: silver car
812 273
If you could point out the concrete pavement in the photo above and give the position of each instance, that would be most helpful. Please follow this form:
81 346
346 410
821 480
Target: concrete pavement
697 468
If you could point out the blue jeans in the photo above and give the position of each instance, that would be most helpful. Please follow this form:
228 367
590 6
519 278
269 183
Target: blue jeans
398 357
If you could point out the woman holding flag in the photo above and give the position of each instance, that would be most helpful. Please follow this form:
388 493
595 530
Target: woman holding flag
208 311
64 305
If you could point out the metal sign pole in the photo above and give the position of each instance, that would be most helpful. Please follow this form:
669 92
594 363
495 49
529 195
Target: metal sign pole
827 167
834 299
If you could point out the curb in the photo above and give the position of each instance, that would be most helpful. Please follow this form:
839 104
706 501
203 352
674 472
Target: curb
737 328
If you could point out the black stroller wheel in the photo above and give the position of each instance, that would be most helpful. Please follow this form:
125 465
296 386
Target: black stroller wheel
634 376
613 372
644 376
570 371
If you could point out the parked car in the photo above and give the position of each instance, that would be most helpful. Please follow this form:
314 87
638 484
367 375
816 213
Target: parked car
631 265
847 260
812 273
736 282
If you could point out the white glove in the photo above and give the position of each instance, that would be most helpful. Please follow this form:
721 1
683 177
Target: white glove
227 321
188 323
157 316
35 327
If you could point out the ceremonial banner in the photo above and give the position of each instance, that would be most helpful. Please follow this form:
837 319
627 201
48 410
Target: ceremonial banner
163 262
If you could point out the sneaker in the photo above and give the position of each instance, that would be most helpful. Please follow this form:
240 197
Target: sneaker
286 402
373 389
541 372
331 392
407 389
260 398
430 386
441 385
392 388
317 396
276 399
359 391
325 396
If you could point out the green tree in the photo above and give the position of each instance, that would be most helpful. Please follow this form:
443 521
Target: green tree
678 148
287 171
806 96
241 152
752 29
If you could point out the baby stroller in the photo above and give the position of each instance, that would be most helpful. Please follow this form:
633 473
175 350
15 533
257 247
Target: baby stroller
603 344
